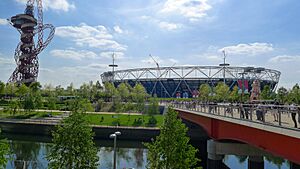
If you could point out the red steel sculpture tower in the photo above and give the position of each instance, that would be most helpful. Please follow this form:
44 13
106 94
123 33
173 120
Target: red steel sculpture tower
26 53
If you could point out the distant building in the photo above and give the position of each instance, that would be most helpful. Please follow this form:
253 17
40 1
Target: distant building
182 81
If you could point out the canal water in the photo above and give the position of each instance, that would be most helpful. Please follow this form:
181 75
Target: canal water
29 152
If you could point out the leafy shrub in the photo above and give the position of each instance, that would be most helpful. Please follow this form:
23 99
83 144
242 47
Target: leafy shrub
152 121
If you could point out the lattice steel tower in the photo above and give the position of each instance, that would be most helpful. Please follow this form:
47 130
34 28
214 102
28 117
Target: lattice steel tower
26 53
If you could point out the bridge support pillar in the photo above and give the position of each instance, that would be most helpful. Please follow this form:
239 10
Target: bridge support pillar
256 162
214 160
294 165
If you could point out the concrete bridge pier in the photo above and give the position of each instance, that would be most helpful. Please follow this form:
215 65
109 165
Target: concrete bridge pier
256 162
214 160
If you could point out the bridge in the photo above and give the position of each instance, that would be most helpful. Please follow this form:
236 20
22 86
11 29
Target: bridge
267 127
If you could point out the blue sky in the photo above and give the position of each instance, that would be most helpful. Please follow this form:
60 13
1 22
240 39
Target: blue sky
186 32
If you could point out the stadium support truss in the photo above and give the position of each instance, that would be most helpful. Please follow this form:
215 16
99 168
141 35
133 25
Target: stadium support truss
171 81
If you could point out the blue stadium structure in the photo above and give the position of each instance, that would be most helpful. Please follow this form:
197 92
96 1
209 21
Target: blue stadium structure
184 81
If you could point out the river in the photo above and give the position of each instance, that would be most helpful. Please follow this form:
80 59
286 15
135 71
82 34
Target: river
30 152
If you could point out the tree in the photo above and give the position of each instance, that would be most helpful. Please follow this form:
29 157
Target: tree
51 102
2 89
294 94
28 103
4 152
110 90
282 94
123 91
153 107
171 149
234 94
22 91
35 87
204 91
139 95
222 92
73 146
266 93
70 89
10 89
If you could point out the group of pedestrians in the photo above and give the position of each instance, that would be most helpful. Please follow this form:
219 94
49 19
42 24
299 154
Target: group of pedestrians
246 110
294 111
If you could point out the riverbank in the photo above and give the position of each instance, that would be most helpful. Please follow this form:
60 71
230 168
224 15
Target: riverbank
45 128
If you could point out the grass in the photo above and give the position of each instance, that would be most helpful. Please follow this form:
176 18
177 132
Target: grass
122 120
26 115
94 119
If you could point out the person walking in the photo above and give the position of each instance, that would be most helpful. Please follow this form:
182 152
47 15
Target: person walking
293 110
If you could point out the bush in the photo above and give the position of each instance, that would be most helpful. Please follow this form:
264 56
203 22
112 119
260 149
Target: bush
137 122
152 121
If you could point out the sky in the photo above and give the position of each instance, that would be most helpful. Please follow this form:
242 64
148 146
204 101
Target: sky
260 33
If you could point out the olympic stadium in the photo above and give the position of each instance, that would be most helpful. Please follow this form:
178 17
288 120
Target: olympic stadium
184 81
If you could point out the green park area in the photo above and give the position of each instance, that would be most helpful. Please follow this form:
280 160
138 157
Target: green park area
27 115
125 120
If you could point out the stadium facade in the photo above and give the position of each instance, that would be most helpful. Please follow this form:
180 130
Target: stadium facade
184 81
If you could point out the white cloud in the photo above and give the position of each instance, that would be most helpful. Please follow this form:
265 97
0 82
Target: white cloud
118 55
169 26
3 21
72 74
162 62
151 61
91 36
5 61
192 9
284 58
57 5
118 29
73 54
173 61
248 49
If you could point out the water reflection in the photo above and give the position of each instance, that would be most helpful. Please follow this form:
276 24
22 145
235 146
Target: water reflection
30 153
270 162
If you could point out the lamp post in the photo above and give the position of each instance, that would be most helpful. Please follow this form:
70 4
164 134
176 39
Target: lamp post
224 65
114 136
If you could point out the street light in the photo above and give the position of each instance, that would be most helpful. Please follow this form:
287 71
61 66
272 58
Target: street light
114 136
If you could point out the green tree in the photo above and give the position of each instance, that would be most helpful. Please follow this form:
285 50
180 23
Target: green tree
139 95
204 91
10 89
123 92
282 95
22 91
70 90
222 92
14 106
153 107
2 89
266 93
110 90
294 95
51 102
35 87
28 103
4 152
234 94
171 149
73 146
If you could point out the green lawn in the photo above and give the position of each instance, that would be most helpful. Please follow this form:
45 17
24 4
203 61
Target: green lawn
95 119
27 115
124 120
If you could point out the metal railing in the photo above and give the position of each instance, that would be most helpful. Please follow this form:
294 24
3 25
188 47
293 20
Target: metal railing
284 116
